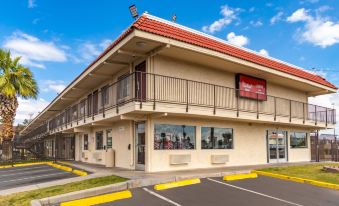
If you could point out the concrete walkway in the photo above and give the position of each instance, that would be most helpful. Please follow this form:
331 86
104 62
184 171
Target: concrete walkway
100 171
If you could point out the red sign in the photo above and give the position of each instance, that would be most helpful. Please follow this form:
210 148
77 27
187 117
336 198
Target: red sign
251 87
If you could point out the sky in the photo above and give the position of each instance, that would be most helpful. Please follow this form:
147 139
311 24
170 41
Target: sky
57 39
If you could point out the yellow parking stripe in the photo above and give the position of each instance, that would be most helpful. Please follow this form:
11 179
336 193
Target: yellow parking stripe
99 199
176 184
240 176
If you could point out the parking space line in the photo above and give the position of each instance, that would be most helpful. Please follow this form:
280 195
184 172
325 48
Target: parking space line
29 172
161 197
254 192
34 177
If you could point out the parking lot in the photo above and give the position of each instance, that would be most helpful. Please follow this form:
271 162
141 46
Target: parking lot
28 175
214 191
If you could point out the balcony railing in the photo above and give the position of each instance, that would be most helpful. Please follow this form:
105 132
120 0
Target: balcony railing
156 89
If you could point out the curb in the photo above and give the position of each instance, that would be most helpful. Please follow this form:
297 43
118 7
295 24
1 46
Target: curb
299 180
25 164
68 169
181 183
55 200
239 176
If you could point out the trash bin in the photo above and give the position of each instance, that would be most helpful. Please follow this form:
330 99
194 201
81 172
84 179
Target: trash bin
110 157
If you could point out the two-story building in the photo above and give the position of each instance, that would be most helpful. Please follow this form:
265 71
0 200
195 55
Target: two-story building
166 97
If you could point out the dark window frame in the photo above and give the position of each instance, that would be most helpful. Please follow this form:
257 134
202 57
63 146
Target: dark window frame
99 145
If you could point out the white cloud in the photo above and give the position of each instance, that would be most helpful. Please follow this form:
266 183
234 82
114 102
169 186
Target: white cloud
88 51
264 52
256 23
53 85
317 30
329 101
31 4
277 17
228 16
238 40
32 50
28 107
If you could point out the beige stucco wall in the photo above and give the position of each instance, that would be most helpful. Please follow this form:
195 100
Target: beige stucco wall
122 136
187 70
249 145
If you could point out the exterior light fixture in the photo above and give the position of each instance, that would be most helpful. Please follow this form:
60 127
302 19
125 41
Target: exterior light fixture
133 10
174 18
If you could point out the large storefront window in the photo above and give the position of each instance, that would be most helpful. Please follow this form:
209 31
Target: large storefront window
298 140
216 138
174 137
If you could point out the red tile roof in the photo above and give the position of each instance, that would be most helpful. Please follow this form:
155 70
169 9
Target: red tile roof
158 27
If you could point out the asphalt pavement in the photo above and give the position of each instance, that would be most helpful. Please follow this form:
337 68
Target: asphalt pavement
254 192
28 175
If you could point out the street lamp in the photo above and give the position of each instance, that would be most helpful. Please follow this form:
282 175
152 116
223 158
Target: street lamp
133 10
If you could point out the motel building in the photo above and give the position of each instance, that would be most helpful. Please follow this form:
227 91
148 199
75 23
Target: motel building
164 97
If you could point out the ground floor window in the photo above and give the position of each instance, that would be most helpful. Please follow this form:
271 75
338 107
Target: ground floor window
216 138
298 139
99 140
85 141
108 138
168 136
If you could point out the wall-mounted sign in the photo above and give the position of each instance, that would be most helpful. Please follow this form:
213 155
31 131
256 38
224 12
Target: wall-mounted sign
251 87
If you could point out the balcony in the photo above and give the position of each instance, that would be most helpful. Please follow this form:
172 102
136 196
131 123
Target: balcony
153 92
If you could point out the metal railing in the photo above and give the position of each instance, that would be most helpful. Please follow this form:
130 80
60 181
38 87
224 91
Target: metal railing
154 89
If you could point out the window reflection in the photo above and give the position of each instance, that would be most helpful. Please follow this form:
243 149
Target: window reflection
216 138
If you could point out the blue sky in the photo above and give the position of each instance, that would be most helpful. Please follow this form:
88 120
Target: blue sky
57 39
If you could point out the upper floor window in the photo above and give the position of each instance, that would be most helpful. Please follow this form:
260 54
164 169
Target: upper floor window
216 138
123 86
174 136
298 139
82 108
104 95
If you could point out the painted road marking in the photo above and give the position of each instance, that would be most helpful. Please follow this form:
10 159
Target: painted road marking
254 192
21 168
99 199
29 172
161 197
176 184
34 177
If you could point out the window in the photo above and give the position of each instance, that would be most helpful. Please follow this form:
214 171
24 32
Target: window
104 95
99 140
109 138
85 141
174 137
298 140
82 108
216 138
123 86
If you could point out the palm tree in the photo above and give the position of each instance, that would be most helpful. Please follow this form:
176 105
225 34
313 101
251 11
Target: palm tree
15 81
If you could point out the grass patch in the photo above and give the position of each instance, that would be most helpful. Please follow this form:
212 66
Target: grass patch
24 198
311 171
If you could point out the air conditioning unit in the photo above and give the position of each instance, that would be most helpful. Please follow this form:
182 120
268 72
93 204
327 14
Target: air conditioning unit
181 159
84 155
219 159
97 155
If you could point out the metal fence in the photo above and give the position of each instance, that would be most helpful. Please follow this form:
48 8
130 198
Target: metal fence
155 89
324 149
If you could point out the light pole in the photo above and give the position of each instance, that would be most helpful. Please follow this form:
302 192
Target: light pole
335 138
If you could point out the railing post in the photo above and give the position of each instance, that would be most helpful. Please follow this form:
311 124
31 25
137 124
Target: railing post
77 114
315 113
103 104
186 95
290 110
257 105
303 113
275 109
326 118
141 90
237 92
84 111
153 91
214 100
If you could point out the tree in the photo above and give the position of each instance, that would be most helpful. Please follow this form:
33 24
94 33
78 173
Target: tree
15 81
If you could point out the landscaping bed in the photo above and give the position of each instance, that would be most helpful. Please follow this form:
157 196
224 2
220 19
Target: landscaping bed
311 171
24 198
